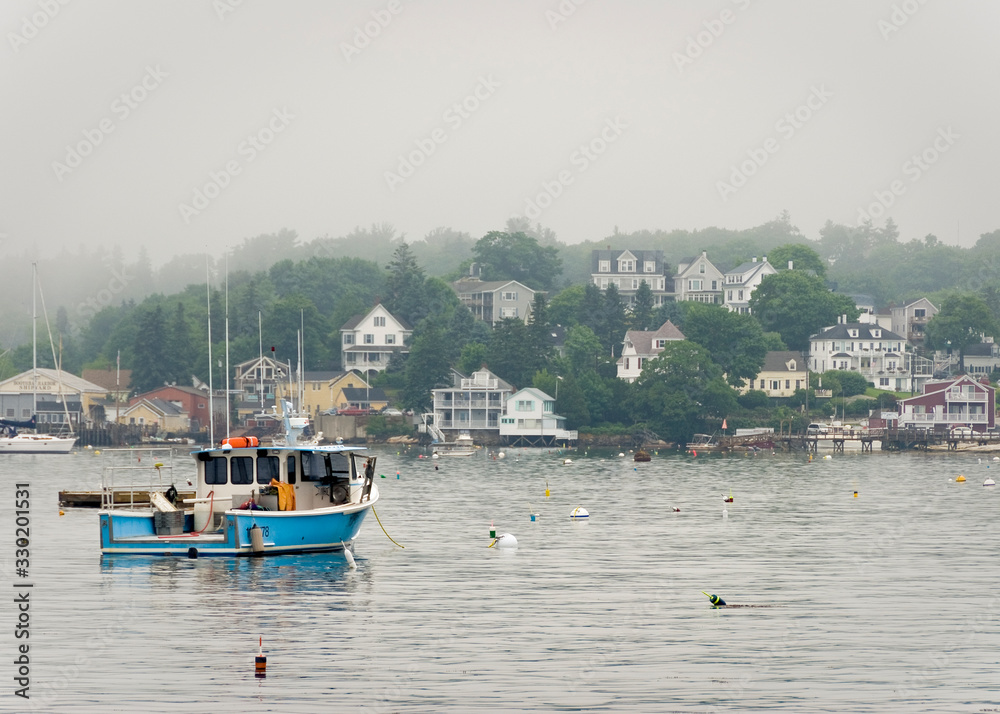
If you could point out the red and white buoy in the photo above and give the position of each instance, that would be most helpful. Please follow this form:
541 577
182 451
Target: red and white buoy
260 661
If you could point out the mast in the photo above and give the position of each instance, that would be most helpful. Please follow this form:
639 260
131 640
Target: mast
227 345
211 403
260 363
34 339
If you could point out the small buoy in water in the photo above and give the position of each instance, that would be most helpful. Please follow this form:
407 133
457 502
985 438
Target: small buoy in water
579 513
493 531
567 462
855 494
989 482
996 458
730 499
97 452
622 454
435 455
260 661
397 474
501 455
960 479
676 509
827 457
350 557
504 540
62 513
546 489
714 599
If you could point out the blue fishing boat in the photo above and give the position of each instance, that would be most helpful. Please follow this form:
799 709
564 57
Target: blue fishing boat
250 500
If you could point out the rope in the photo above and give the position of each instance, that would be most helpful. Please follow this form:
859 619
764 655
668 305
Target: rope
383 528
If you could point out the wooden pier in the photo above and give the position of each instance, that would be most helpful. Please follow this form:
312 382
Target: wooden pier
888 439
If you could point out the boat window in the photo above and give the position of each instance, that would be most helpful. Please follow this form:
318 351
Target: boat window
241 469
291 469
313 467
267 469
340 465
216 471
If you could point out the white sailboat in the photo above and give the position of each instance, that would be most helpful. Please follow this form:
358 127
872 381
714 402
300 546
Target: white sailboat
17 443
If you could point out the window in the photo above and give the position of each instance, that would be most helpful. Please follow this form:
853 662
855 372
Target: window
635 284
267 469
919 312
729 295
604 283
788 384
626 363
694 284
348 338
313 468
626 266
524 405
762 384
390 339
604 266
215 471
508 312
379 321
740 295
291 469
509 296
10 413
775 384
701 268
715 285
241 470
883 381
369 338
649 266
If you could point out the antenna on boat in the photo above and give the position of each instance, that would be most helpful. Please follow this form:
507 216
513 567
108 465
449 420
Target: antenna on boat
211 403
228 429
34 339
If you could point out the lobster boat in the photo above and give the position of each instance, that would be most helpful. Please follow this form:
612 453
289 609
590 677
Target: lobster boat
249 499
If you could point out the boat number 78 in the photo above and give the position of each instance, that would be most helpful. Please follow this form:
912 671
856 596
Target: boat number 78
265 531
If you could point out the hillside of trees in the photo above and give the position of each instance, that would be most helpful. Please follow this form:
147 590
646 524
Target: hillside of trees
157 320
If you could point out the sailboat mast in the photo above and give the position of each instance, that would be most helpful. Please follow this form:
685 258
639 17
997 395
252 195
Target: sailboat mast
260 362
211 403
34 338
228 430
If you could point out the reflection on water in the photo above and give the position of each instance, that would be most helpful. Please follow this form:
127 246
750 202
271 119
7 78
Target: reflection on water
883 602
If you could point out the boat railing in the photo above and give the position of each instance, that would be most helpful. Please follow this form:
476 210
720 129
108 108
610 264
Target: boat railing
134 471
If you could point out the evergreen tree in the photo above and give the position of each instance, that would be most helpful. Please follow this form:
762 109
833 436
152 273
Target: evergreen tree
178 356
407 292
641 314
149 367
427 366
613 323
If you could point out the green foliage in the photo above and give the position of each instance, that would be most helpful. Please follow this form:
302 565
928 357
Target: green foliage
516 256
380 427
735 340
843 383
961 321
582 348
150 369
510 354
797 305
427 367
802 256
641 315
754 399
565 307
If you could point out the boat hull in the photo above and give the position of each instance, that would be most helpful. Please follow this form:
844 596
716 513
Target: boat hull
284 532
28 444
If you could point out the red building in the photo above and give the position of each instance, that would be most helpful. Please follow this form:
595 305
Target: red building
192 401
961 401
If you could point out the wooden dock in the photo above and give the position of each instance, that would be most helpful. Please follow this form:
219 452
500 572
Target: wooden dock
888 439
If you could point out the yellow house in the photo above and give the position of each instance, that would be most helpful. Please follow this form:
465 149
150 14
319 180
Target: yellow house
166 415
323 390
781 375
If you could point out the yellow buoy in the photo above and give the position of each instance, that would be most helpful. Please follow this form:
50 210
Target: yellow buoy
547 489
960 479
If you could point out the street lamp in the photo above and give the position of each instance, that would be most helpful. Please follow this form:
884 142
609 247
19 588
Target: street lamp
949 357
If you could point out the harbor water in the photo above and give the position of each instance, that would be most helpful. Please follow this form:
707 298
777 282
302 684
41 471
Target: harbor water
875 576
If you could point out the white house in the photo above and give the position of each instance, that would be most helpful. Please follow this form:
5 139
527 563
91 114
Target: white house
368 341
880 355
474 402
627 269
742 280
782 373
911 320
529 420
642 345
698 280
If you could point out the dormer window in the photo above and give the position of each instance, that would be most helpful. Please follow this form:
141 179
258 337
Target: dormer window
852 332
626 266
604 266
877 334
649 266
791 365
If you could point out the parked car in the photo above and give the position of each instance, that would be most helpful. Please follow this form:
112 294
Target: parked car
392 411
330 412
353 412
813 429
961 431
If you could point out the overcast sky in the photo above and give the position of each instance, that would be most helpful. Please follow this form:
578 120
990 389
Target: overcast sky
191 125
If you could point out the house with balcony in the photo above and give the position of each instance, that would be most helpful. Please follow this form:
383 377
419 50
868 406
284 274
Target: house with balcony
254 385
962 401
782 373
911 320
698 280
494 300
471 403
741 281
529 419
627 269
981 359
368 341
642 345
880 355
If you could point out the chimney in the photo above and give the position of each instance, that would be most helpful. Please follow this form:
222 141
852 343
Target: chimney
754 259
789 265
764 259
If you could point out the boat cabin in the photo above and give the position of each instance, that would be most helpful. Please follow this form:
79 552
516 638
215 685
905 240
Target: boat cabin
282 479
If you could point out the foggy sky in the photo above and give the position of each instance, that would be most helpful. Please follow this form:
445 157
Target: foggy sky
585 116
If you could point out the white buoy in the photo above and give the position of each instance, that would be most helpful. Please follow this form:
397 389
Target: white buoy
504 540
622 454
435 455
567 462
996 458
579 513
501 455
989 482
350 557
827 457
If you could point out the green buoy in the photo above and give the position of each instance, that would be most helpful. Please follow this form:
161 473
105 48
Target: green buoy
714 599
